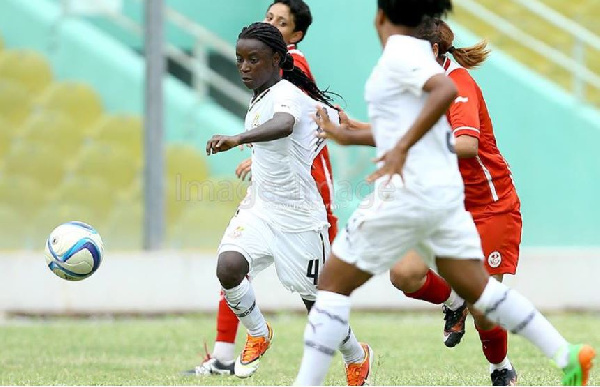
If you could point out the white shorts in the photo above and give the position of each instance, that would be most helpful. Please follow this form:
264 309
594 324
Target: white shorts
299 257
379 234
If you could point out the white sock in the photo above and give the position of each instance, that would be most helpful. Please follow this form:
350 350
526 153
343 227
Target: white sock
327 327
504 364
242 302
351 350
454 301
516 314
224 352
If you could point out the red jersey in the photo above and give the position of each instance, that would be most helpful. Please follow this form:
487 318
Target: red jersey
487 176
300 60
321 168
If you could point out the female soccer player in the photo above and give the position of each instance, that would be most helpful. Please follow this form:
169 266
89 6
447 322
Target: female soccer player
292 18
283 218
490 197
417 204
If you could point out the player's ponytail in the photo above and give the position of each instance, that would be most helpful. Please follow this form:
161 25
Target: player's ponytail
469 57
437 31
271 36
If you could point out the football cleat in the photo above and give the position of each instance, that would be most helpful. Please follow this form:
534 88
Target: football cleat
581 360
247 363
357 374
454 326
213 366
504 377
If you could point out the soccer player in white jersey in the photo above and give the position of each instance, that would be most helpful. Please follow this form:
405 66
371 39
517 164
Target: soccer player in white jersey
417 204
283 219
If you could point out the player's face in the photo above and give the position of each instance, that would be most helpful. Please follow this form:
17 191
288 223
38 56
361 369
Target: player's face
257 64
279 16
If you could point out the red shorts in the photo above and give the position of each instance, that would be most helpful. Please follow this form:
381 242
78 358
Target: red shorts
321 172
500 234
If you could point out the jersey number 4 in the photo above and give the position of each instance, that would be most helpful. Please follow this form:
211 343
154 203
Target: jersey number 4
312 271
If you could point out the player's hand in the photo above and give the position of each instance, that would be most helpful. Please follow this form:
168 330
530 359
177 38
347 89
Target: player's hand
393 163
244 169
328 129
219 143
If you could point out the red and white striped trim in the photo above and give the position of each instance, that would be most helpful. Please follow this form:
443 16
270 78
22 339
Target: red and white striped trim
465 128
329 181
488 176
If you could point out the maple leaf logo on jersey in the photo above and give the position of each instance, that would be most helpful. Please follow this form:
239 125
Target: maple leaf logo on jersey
461 99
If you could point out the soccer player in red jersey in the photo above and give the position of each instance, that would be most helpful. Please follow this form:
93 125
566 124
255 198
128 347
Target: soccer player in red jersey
292 18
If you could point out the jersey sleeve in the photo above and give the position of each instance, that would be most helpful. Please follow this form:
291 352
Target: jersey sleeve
463 113
414 70
286 101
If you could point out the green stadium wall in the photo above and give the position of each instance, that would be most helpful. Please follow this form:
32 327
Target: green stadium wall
548 137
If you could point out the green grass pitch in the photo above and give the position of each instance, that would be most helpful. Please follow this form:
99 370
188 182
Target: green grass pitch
408 350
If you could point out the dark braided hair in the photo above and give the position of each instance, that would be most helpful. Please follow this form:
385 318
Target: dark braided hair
271 36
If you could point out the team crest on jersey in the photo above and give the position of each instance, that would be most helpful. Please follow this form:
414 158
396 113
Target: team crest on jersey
494 259
237 232
255 121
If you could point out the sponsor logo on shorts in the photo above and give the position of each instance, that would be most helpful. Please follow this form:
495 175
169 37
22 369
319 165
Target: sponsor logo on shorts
494 259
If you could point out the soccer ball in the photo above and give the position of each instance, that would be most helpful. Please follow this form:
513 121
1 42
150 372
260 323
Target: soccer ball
74 251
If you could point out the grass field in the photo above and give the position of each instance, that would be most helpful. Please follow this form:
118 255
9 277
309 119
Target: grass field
408 350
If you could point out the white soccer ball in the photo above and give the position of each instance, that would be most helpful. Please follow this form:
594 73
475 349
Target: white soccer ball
74 251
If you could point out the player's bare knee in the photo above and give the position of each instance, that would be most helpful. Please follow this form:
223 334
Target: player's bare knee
405 280
232 267
481 322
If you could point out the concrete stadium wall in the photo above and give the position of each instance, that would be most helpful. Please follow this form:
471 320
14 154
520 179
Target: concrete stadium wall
183 281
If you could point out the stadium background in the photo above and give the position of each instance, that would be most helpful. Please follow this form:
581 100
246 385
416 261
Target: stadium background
71 107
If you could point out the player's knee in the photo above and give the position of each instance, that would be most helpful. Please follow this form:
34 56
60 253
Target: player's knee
232 267
405 279
481 322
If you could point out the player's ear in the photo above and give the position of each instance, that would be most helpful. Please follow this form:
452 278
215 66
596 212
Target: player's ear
296 37
380 18
436 49
277 60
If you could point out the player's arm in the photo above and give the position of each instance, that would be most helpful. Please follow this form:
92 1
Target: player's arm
442 92
463 115
342 134
280 126
466 146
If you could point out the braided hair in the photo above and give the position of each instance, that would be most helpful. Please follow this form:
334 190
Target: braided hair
270 35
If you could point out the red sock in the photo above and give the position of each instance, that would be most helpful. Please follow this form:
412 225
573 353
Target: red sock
434 290
494 344
227 322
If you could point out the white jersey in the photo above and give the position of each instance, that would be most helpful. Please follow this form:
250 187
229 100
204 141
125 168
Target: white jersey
395 97
283 191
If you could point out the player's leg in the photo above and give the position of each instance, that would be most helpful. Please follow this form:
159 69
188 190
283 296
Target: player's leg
328 321
494 344
413 277
245 249
222 359
370 244
456 241
298 263
500 239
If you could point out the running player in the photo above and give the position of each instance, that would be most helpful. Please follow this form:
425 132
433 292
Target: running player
490 197
292 18
417 204
283 218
